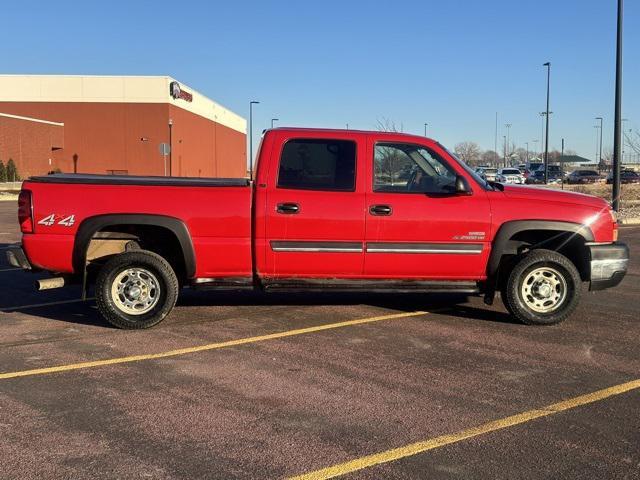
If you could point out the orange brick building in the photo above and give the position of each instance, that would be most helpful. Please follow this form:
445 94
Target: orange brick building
116 125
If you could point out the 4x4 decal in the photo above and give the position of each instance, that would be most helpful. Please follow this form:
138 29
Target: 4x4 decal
49 220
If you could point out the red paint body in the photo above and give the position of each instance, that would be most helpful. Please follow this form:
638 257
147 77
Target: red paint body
219 219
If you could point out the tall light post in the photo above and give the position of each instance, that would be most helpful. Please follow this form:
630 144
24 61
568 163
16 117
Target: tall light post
562 166
495 140
617 129
504 139
623 137
508 125
546 142
535 148
274 120
425 129
527 157
170 145
600 145
251 104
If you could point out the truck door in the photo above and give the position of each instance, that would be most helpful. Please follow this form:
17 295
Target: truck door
314 208
416 225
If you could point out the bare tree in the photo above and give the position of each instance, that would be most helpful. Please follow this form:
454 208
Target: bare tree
468 152
386 125
489 157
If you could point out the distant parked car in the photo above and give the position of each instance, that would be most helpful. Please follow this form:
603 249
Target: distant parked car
535 166
537 177
584 176
626 176
510 175
488 174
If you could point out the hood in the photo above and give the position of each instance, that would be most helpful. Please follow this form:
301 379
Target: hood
550 195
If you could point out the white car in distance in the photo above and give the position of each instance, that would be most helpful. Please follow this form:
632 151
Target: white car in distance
510 175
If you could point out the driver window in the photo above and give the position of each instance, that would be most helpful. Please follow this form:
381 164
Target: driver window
406 168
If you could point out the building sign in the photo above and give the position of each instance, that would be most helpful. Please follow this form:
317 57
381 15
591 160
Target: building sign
176 92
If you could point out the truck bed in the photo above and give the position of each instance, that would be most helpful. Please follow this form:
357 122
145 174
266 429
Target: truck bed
216 213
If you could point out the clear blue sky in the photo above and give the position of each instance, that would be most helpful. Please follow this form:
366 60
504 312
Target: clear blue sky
452 64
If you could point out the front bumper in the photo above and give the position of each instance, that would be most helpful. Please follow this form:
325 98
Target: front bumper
17 258
608 265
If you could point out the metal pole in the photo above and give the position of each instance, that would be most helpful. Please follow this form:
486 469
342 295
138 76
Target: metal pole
508 125
495 140
600 145
617 129
251 104
504 139
562 166
274 120
170 145
546 142
425 129
527 157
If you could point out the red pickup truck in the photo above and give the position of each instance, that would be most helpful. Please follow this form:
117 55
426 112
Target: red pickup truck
328 210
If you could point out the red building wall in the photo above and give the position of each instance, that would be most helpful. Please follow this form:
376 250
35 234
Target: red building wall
30 144
104 137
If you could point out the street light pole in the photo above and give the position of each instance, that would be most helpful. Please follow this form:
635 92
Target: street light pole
504 139
251 104
425 129
274 120
562 166
508 125
527 157
495 140
600 145
546 142
617 129
170 145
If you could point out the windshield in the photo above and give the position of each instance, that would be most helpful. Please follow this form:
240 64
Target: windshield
483 183
511 171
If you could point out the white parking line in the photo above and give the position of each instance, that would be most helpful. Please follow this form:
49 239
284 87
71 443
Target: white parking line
49 304
10 269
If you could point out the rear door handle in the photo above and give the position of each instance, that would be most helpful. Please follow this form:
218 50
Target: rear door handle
380 210
288 208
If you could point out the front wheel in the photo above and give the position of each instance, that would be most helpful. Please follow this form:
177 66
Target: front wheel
136 290
543 288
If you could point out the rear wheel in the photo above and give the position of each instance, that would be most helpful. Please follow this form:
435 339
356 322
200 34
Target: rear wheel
136 290
543 288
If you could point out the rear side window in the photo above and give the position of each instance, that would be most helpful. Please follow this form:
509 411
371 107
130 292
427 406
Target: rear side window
318 164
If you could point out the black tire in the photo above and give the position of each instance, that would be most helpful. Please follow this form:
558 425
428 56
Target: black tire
157 279
527 307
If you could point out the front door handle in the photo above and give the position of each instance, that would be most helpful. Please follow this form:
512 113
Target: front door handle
288 208
381 210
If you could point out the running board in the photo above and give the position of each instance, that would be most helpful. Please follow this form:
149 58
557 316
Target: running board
394 286
223 283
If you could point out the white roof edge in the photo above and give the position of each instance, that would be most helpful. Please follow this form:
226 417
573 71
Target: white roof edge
113 89
29 119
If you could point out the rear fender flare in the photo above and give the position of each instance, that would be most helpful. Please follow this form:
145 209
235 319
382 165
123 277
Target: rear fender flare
91 225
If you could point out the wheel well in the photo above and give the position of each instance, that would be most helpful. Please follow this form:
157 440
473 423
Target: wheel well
570 244
114 239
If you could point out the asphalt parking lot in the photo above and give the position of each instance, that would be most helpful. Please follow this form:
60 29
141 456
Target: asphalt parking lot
374 386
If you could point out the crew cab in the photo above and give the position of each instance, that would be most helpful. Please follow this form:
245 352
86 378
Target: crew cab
328 210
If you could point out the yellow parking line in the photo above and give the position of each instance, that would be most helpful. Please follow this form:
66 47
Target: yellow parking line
423 446
202 348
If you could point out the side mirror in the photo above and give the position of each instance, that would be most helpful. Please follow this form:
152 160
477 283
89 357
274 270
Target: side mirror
462 186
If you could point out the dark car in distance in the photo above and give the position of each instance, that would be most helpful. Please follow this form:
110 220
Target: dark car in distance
626 176
584 176
537 177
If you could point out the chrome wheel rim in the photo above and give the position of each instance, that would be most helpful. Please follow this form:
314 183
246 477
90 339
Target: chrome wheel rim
543 290
135 291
